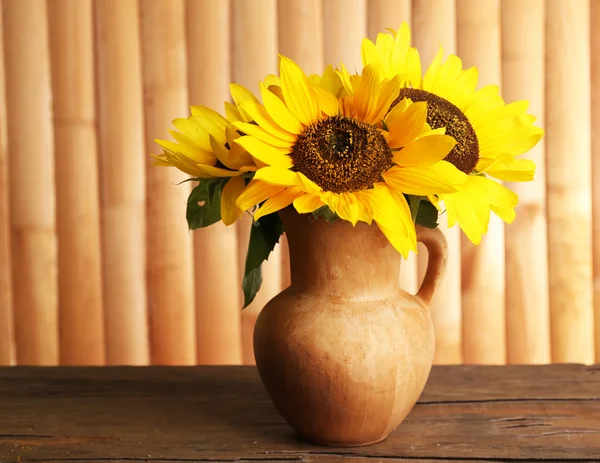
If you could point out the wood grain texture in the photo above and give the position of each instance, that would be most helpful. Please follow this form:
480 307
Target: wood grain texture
568 138
32 209
171 310
123 185
526 250
595 105
434 23
345 26
7 339
217 280
466 413
254 55
386 14
77 191
483 282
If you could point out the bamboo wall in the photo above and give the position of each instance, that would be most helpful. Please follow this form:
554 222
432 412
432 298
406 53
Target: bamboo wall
97 266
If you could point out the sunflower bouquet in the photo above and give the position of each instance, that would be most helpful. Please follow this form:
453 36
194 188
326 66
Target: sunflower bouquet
387 145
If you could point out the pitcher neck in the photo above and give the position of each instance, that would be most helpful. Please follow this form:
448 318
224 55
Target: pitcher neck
338 258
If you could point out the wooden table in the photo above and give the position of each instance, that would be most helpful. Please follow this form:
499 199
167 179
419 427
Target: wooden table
193 414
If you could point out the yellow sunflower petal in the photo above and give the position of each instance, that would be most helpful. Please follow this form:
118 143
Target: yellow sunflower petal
465 86
233 113
346 80
302 181
400 47
276 176
405 126
367 210
278 201
392 215
260 115
265 152
501 199
388 92
368 52
425 151
231 192
421 181
432 71
520 141
413 64
238 156
517 170
182 163
328 103
262 134
330 81
467 210
308 203
256 192
299 96
280 113
194 154
240 94
345 205
366 97
505 111
482 101
217 171
445 80
210 121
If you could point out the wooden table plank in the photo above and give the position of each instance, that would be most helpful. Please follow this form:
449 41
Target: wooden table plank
466 413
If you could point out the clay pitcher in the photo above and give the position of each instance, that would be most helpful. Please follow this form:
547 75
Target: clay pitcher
343 352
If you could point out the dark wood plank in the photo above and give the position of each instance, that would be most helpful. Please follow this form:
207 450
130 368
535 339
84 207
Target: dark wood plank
467 413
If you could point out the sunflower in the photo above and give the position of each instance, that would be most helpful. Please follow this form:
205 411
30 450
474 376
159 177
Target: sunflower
490 134
331 141
205 148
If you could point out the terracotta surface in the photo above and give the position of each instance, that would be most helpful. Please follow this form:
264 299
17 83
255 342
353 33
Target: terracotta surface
344 353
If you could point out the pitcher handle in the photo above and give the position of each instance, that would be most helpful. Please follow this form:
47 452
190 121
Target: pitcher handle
437 248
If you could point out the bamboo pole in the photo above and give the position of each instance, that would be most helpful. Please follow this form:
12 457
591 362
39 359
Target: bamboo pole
32 204
79 267
433 23
595 65
300 27
169 244
384 14
218 294
568 154
345 26
255 56
484 323
123 162
7 354
526 251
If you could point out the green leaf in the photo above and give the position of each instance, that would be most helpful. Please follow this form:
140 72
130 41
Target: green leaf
326 213
251 284
264 235
413 204
207 192
191 179
427 215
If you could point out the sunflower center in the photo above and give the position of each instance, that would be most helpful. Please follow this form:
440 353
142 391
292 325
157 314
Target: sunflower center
342 154
442 113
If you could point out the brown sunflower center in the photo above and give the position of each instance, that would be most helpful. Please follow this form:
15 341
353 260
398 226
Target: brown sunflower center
342 154
442 113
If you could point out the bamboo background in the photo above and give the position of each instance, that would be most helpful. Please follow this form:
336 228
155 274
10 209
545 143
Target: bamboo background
97 266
